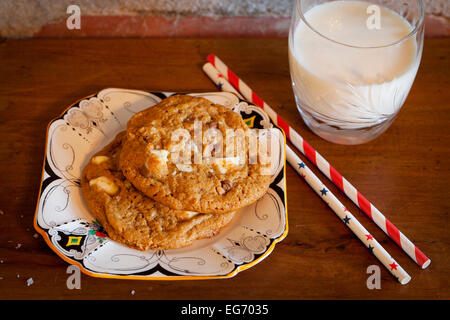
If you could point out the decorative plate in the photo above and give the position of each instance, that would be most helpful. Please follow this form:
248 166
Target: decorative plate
64 221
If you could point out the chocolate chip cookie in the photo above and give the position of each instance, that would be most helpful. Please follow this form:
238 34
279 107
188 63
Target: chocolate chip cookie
191 154
134 219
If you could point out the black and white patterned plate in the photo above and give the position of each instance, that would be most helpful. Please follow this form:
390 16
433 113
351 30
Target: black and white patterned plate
64 221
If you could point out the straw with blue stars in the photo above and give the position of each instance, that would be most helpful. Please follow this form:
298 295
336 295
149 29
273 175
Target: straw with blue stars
346 217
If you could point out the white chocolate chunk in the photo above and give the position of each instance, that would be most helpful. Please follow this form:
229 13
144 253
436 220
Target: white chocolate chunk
184 167
156 164
222 165
162 155
104 184
185 215
99 159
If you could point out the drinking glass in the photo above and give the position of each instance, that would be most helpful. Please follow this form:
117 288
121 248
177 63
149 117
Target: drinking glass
353 64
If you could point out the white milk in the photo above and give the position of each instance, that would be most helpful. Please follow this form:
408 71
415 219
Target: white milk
345 86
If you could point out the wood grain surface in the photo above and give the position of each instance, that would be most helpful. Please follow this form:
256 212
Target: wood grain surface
405 172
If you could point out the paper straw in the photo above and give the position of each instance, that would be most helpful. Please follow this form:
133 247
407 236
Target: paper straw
329 171
219 80
345 216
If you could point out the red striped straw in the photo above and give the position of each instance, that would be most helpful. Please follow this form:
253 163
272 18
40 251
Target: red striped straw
304 147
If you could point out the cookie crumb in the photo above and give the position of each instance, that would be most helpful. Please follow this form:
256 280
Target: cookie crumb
18 245
35 235
29 282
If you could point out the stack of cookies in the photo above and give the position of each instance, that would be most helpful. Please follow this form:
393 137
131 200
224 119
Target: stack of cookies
177 174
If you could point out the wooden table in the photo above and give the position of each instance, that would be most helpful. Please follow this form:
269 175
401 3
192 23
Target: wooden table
405 172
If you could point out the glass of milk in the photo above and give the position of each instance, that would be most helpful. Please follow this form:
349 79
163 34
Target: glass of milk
353 63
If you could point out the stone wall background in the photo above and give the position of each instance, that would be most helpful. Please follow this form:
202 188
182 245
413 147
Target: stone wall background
25 18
